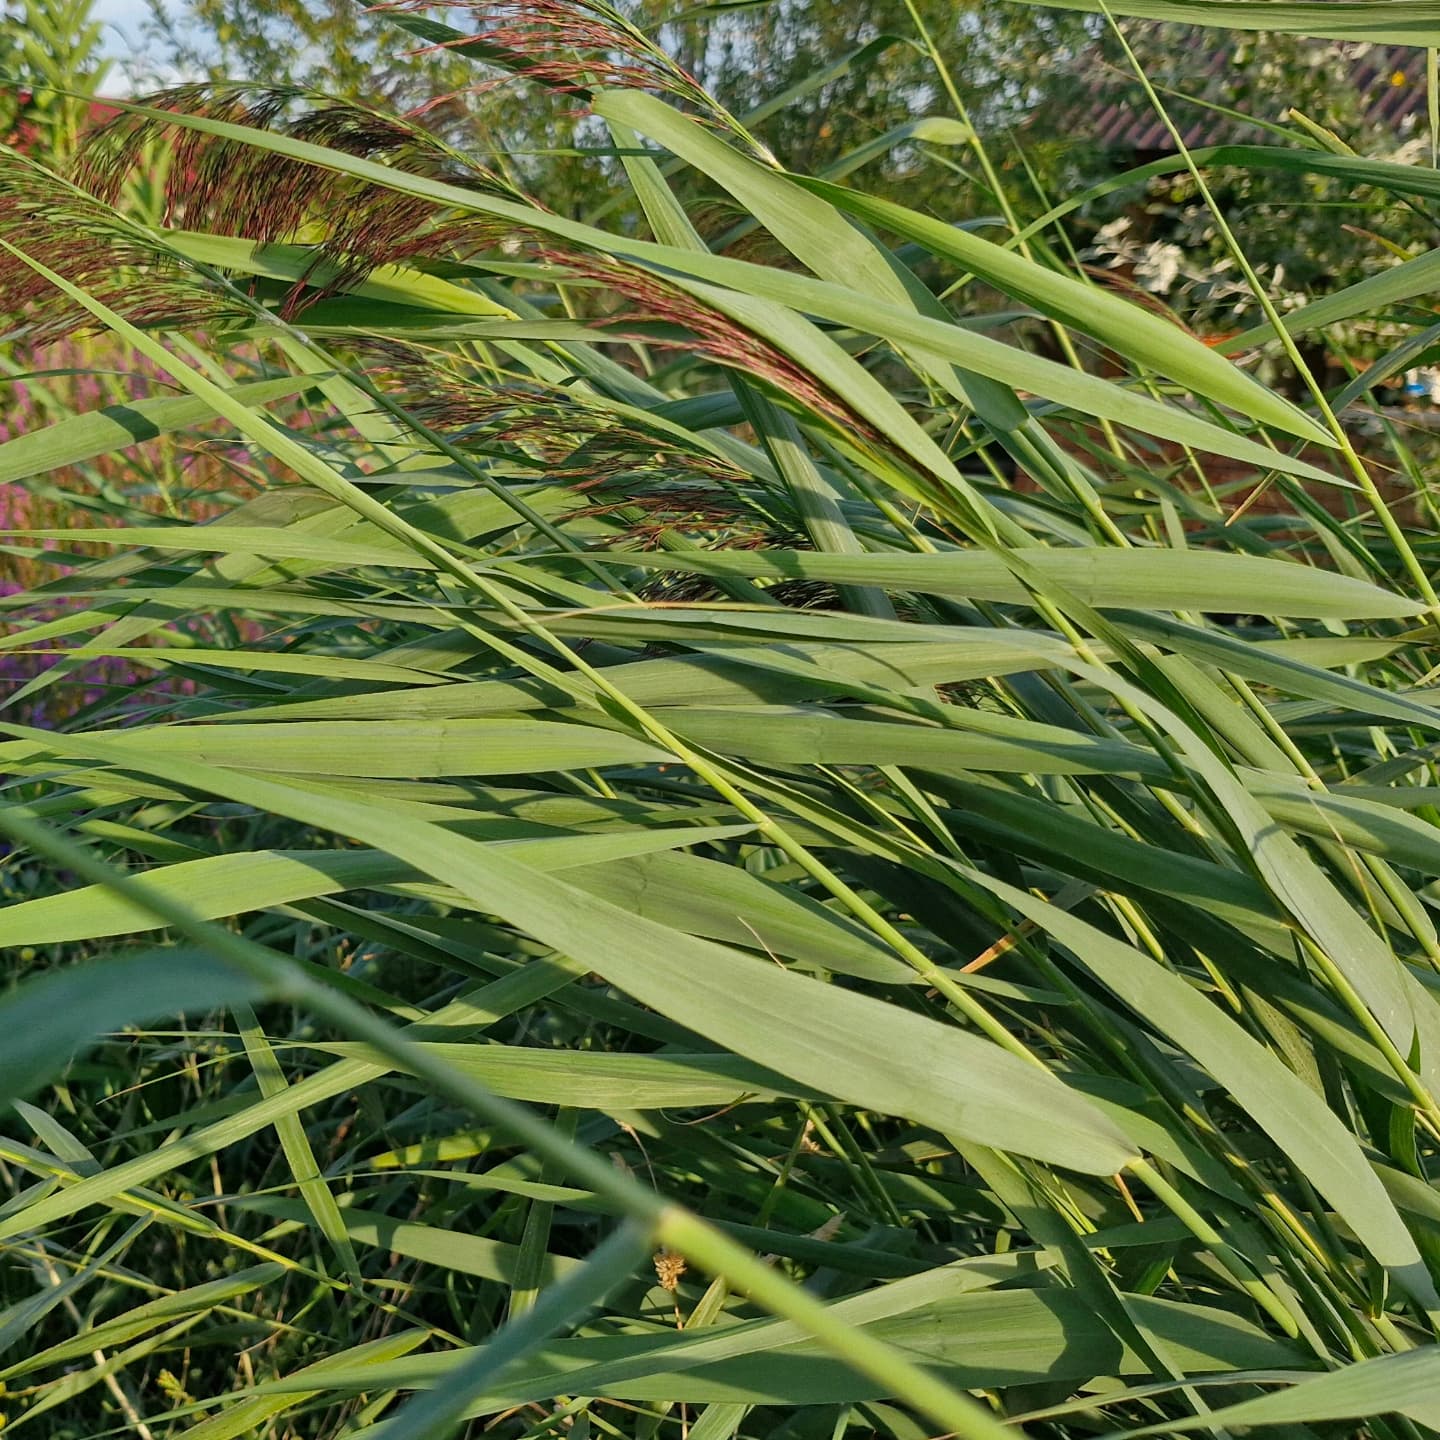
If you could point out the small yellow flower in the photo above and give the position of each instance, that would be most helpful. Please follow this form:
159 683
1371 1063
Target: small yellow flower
1398 77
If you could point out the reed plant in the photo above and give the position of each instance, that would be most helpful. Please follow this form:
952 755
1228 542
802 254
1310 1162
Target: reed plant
722 839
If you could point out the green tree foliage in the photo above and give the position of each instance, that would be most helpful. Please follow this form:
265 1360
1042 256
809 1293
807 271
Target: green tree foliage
1308 232
50 68
337 46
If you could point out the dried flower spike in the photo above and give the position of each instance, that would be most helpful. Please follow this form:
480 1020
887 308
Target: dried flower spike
669 1267
569 46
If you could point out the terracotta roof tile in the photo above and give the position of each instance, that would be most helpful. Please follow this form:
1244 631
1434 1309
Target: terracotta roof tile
1391 78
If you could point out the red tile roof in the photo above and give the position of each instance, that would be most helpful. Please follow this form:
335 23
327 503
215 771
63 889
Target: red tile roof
1390 78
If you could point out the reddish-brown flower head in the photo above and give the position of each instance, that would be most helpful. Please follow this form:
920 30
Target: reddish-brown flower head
231 187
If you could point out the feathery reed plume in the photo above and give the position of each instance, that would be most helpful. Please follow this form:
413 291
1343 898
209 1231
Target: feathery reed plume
570 46
714 516
714 520
233 188
662 314
556 432
645 478
66 230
